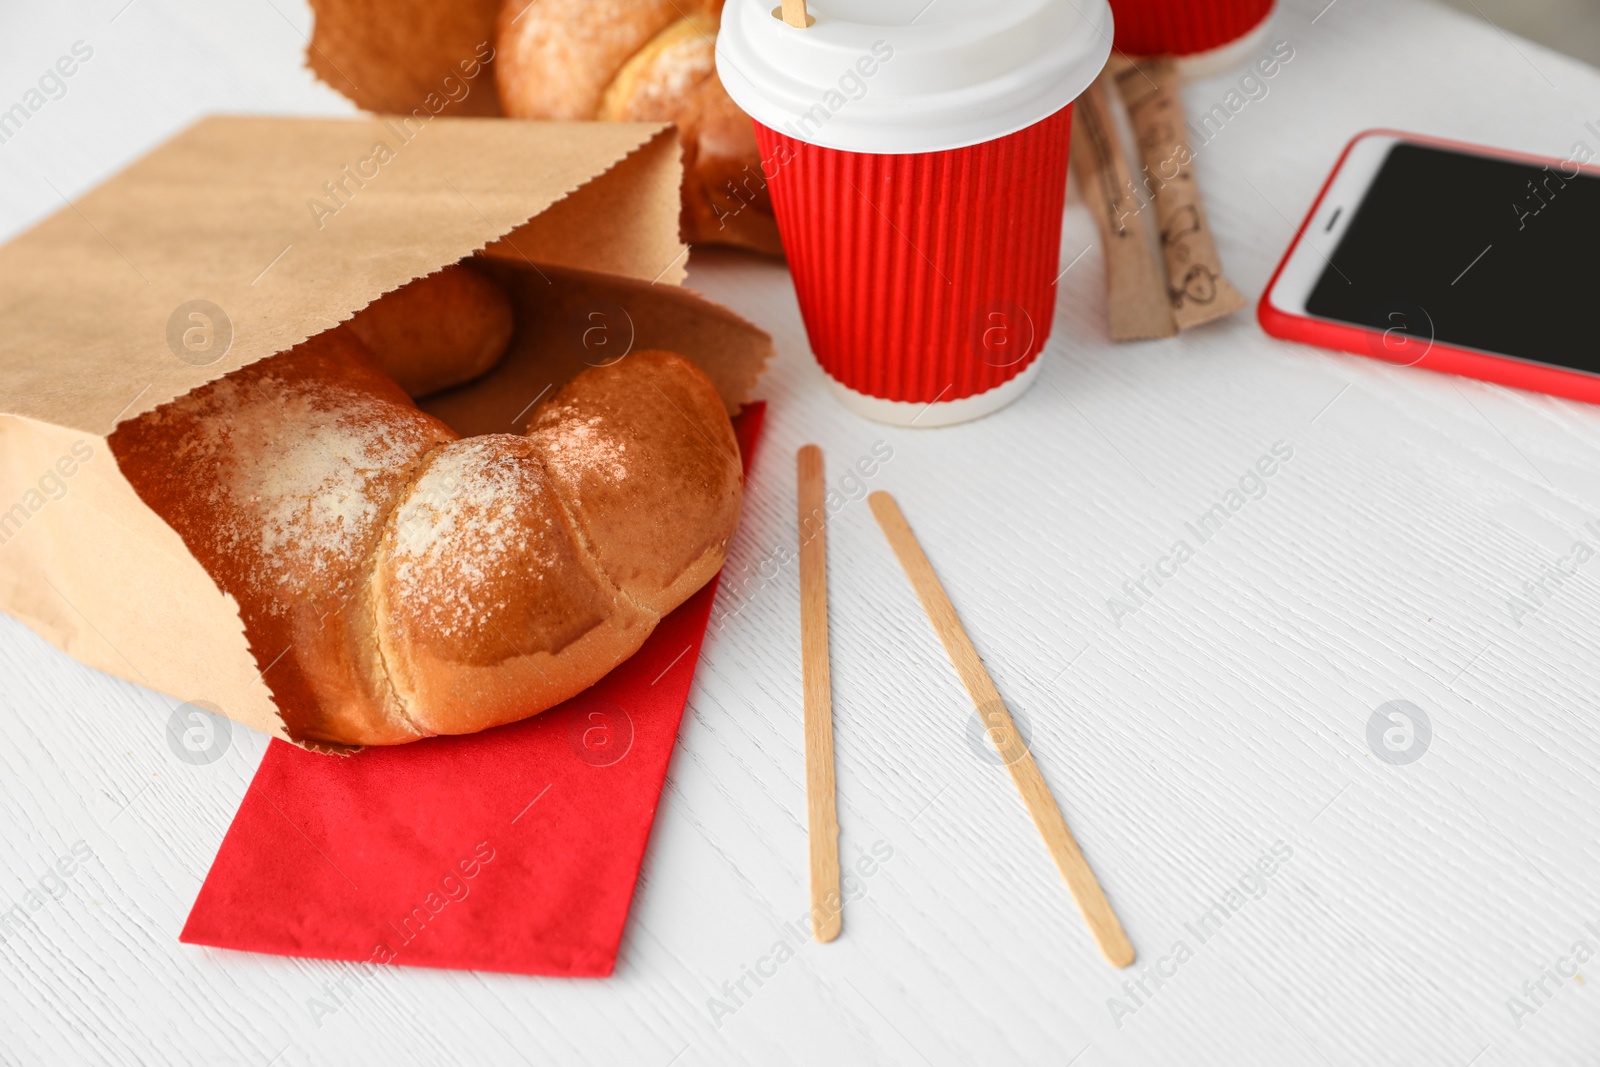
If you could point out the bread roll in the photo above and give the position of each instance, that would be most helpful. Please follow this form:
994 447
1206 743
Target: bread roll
396 581
643 61
641 453
443 329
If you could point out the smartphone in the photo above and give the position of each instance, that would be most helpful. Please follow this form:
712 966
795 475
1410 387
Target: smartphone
1450 257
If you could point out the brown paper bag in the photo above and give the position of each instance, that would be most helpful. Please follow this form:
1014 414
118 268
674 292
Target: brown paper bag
240 238
396 55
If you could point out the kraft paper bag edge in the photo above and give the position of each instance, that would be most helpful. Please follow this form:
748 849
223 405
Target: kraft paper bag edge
241 236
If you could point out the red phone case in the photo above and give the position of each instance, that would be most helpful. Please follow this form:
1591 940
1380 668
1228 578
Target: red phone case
1403 349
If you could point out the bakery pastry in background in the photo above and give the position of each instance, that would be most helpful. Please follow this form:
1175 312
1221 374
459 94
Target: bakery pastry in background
643 61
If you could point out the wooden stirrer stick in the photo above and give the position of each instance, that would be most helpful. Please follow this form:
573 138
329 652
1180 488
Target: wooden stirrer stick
821 810
1091 899
794 13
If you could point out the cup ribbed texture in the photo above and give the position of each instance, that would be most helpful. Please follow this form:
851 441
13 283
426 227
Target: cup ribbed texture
1183 27
928 276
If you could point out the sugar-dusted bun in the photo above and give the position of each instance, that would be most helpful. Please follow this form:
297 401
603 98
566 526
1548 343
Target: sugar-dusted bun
443 329
489 606
642 454
278 477
396 581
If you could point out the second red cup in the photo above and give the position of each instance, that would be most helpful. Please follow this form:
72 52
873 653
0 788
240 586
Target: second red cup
918 170
1205 36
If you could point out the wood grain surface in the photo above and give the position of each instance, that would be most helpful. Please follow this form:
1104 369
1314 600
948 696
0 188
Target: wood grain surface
1296 896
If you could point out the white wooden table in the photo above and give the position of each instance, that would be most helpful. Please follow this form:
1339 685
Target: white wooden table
1225 717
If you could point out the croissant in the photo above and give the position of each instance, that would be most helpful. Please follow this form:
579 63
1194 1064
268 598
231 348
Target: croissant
643 61
397 581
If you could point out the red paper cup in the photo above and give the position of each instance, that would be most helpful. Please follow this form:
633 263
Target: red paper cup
1207 36
925 278
917 165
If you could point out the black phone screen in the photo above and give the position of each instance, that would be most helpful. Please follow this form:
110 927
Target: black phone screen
1476 252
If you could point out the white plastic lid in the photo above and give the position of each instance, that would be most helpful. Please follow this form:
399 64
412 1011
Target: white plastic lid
893 76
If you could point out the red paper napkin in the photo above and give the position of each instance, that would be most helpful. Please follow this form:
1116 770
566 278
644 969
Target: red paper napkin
516 849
